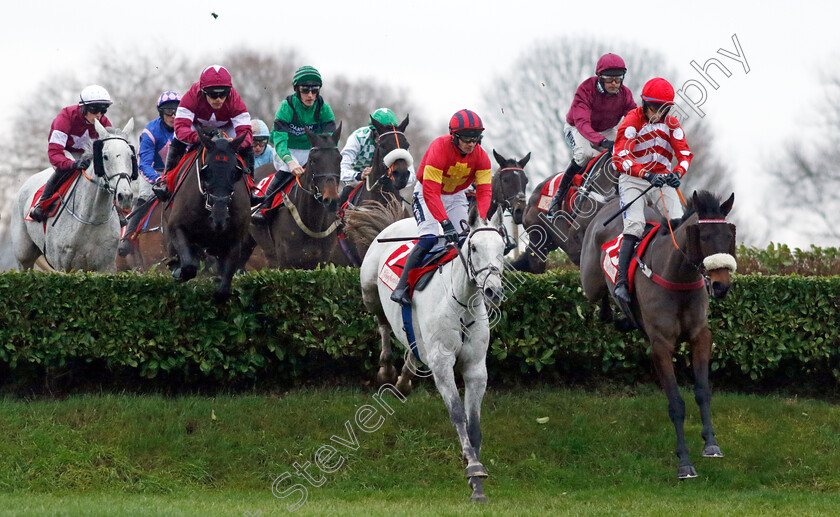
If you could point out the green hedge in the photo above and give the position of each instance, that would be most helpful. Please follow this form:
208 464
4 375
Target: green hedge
296 326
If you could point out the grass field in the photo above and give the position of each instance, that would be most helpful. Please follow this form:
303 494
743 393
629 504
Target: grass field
602 452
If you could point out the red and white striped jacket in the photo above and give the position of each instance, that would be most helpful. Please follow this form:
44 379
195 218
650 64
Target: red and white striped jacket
642 147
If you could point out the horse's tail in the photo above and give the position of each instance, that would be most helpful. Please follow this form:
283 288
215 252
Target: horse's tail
363 224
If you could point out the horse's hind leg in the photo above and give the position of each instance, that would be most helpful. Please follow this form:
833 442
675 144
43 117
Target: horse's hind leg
701 351
387 372
663 353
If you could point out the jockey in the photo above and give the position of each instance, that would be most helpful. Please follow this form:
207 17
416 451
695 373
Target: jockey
71 130
599 104
263 153
154 144
451 164
303 109
357 154
647 141
211 103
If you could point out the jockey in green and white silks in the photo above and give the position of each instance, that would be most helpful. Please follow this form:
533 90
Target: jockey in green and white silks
357 155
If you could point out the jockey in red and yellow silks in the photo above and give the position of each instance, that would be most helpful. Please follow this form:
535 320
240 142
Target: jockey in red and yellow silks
451 164
647 141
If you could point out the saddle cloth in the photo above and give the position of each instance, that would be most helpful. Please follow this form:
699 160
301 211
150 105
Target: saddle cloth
393 267
550 187
172 179
262 189
144 222
52 204
612 248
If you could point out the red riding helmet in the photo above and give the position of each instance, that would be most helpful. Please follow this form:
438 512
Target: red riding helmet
214 76
465 120
611 62
658 91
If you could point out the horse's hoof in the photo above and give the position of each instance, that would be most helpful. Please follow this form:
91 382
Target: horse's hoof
176 274
478 498
712 451
404 387
188 272
686 472
478 471
386 375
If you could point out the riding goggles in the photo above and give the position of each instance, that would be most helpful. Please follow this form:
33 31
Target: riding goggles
217 93
96 108
310 89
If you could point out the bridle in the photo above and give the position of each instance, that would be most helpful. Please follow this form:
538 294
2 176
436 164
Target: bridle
211 199
519 173
472 272
389 173
316 192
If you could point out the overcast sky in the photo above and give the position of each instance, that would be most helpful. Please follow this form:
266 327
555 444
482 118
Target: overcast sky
445 52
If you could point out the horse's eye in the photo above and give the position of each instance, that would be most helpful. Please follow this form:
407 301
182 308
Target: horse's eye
472 247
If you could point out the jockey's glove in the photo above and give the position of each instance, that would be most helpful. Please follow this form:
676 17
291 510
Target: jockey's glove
657 180
82 164
672 179
449 232
606 144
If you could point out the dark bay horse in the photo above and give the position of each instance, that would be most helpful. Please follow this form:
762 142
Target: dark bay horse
670 301
509 185
209 212
374 204
304 232
566 230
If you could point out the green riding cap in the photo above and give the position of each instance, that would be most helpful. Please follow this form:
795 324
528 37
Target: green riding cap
384 116
307 75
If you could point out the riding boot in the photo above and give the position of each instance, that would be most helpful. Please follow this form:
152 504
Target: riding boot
134 219
625 255
176 151
277 183
563 188
59 176
401 293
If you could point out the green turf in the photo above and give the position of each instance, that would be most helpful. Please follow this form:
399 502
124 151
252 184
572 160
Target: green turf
599 453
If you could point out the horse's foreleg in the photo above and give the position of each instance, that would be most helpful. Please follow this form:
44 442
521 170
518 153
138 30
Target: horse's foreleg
228 264
663 361
442 369
701 351
475 384
187 263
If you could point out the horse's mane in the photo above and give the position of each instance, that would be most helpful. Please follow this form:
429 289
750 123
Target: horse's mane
363 225
706 207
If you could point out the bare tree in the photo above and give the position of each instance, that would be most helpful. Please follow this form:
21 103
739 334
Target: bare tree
807 176
526 109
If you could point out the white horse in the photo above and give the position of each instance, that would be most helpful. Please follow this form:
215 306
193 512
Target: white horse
84 234
451 324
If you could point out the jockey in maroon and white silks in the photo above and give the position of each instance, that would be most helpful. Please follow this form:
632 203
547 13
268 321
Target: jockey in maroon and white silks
70 132
647 141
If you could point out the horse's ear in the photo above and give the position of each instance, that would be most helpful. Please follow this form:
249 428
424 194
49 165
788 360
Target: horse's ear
726 207
473 219
499 158
129 127
236 142
403 124
496 220
100 129
376 125
695 201
337 133
524 161
205 139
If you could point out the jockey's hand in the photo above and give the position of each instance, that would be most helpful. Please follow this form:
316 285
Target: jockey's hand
606 144
672 179
449 232
657 180
366 172
295 168
82 164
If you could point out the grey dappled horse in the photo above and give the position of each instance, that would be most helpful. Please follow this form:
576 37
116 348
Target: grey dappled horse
451 324
84 234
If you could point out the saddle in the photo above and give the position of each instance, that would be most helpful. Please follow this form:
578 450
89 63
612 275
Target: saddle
420 276
550 187
611 249
261 189
52 204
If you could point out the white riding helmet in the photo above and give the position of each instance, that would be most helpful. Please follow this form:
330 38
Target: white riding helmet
94 94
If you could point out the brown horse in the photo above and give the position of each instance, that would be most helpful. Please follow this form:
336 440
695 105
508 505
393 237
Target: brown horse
304 232
509 184
374 204
670 301
566 229
209 211
148 249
